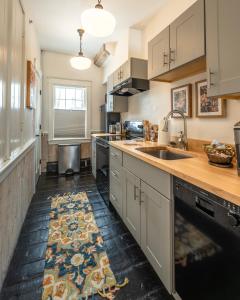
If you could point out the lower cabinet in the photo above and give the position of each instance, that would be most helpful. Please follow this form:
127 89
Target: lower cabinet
142 192
155 232
131 203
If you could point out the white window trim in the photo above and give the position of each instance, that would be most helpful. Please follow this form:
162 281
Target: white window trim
67 82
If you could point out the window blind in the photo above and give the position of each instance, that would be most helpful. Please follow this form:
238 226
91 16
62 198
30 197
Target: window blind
70 112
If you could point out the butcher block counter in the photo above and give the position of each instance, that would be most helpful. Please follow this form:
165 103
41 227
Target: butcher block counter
222 182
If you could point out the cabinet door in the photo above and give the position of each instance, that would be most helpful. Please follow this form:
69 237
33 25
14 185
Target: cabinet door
110 84
116 77
131 203
158 54
126 70
187 36
156 232
223 46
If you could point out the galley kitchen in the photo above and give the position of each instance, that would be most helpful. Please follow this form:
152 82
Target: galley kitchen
119 150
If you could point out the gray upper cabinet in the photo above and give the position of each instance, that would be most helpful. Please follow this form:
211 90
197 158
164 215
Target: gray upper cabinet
223 47
158 54
187 36
179 50
132 68
117 104
156 232
131 203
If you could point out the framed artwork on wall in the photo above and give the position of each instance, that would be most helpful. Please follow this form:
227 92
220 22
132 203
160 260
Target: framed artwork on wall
31 86
181 99
208 107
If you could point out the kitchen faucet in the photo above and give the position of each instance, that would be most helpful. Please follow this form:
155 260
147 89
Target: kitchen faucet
183 143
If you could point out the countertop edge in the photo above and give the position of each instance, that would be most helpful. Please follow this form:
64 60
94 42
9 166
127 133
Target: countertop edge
223 193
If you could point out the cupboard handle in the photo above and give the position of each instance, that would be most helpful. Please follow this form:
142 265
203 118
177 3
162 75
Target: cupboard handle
141 199
210 83
135 192
172 59
165 57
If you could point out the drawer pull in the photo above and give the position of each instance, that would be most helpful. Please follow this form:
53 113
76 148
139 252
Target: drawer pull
135 192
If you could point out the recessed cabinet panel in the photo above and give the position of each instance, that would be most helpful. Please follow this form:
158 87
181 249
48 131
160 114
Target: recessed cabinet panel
131 203
156 232
158 54
187 37
223 46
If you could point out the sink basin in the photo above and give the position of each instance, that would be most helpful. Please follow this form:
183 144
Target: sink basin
163 153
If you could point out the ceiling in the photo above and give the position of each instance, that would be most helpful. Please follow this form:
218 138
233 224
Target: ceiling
57 21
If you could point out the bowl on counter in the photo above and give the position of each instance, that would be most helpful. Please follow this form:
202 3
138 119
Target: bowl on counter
220 155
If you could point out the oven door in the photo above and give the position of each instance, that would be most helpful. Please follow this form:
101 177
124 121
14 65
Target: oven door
102 166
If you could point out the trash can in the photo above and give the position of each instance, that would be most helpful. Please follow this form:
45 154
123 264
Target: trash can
68 159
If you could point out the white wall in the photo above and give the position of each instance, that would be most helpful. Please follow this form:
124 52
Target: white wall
56 65
33 53
153 105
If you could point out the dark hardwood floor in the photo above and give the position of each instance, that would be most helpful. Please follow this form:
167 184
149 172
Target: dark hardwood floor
25 274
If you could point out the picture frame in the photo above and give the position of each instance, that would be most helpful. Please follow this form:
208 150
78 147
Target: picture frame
31 86
208 107
181 99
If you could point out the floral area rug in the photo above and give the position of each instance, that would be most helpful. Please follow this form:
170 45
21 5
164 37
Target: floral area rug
76 264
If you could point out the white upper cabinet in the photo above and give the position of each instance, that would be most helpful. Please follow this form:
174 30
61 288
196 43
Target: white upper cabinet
187 36
223 47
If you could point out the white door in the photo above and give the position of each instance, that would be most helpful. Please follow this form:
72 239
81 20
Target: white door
38 126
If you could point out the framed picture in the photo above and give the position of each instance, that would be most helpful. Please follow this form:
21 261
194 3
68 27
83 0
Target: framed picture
182 99
208 107
31 86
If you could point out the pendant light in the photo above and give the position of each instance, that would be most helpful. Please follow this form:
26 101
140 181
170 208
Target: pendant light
98 22
80 62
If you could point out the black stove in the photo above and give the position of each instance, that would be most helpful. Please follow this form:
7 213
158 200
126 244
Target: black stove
133 130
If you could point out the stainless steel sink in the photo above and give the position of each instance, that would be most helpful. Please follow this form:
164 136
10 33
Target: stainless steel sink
163 153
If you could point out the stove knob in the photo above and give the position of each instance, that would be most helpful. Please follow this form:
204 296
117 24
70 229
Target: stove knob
234 219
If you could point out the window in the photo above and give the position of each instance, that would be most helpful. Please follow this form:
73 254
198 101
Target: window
70 110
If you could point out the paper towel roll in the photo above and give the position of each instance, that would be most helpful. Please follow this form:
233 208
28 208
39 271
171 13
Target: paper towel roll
163 137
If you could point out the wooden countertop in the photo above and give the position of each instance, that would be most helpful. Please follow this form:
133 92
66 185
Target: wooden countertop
224 183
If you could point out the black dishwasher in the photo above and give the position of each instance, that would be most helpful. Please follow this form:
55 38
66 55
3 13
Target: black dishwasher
206 245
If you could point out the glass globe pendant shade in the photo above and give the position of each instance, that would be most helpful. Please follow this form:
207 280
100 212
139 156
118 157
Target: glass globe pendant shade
80 63
98 22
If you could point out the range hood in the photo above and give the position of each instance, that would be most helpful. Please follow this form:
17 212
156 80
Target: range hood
130 87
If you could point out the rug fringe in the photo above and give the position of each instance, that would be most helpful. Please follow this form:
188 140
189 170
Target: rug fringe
110 293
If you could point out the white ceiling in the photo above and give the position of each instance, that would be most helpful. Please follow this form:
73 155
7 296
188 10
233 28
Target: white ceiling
57 21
